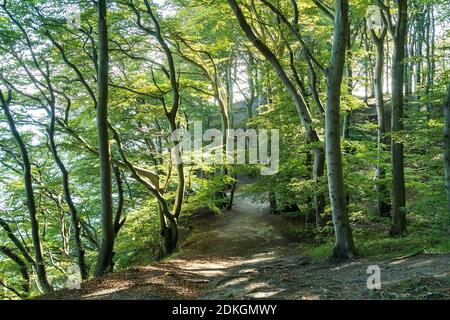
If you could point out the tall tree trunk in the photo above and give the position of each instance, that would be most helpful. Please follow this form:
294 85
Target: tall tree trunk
383 206
230 72
68 198
447 153
429 44
169 225
388 55
344 247
419 37
66 189
251 84
31 204
346 125
105 254
398 175
349 75
367 64
409 66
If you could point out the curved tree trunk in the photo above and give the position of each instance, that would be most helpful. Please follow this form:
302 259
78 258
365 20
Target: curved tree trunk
298 99
67 194
23 271
72 209
31 204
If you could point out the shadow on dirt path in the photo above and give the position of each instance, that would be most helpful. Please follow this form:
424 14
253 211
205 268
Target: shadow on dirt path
244 254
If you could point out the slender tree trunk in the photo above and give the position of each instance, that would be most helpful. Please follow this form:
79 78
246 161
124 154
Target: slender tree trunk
251 84
168 221
433 44
447 153
388 55
19 245
398 175
118 220
419 37
73 211
349 74
367 64
409 66
314 89
346 125
31 204
67 194
383 206
310 214
23 271
171 117
344 247
429 75
106 250
318 173
232 192
230 72
273 202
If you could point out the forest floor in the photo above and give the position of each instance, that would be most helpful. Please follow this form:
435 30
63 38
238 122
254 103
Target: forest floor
247 253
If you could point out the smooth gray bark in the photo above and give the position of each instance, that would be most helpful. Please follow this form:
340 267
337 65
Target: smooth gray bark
68 198
344 248
398 33
383 206
108 235
31 204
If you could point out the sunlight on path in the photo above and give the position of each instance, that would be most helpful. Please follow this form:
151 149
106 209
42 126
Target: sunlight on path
244 254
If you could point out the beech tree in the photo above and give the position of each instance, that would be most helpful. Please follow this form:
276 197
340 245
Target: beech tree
29 190
344 248
447 151
399 33
383 206
106 250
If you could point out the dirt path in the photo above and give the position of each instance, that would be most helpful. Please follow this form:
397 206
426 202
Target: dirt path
244 254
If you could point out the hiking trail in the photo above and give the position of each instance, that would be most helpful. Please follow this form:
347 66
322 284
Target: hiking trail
245 253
